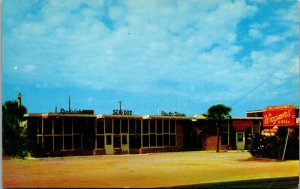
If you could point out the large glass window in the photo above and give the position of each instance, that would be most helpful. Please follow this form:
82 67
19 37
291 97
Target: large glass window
57 125
100 126
108 125
124 139
166 126
172 140
108 140
138 126
159 126
166 139
132 127
152 126
159 140
116 126
153 140
77 141
48 142
77 125
134 141
47 126
145 140
145 127
124 125
100 141
117 141
68 126
172 126
68 142
58 142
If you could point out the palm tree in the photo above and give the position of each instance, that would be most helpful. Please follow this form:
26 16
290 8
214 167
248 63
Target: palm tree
11 133
218 113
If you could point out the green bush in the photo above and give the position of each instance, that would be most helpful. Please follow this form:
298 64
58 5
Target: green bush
273 146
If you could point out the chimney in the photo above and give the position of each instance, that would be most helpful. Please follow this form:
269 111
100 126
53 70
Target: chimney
19 99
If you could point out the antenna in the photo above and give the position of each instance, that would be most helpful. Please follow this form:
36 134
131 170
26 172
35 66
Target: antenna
69 103
120 105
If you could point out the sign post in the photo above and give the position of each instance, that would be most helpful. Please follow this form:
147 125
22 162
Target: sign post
286 140
284 116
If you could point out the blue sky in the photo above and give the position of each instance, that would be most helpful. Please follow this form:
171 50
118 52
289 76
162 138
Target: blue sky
158 55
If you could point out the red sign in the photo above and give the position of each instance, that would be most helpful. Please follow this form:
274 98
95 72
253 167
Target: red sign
279 116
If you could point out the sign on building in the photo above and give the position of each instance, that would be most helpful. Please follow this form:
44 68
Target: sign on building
279 116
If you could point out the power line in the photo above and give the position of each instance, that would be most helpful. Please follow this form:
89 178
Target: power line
281 65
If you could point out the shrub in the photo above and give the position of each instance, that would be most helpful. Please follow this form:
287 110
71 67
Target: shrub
273 146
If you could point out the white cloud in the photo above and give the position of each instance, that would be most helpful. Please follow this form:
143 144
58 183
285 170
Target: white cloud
255 34
270 39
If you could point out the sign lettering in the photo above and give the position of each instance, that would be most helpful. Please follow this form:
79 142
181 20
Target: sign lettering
279 116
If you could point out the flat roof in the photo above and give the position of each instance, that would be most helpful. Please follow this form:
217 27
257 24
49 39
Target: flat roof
60 115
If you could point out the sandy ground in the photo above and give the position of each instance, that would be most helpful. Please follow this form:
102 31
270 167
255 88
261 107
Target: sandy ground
142 170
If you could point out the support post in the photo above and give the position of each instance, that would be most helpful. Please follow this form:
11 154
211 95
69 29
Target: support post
286 140
218 137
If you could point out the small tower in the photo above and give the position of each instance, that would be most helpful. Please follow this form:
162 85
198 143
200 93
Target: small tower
19 100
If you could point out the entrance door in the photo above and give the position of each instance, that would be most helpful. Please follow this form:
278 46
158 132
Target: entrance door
125 144
109 148
240 140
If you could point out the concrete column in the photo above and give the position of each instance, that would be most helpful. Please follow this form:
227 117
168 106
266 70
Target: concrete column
63 133
53 134
96 123
43 146
72 121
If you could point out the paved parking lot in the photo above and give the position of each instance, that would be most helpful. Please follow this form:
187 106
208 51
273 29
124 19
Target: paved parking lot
142 170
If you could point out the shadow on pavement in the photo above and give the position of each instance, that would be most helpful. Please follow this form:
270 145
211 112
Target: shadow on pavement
286 182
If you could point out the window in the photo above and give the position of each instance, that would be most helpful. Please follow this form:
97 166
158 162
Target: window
166 140
58 125
159 126
47 126
125 126
159 140
100 126
100 141
132 128
68 126
145 140
172 140
58 142
116 126
68 142
166 126
134 141
108 139
124 139
117 141
240 137
172 126
152 126
77 125
77 141
145 127
108 125
153 140
138 126
48 142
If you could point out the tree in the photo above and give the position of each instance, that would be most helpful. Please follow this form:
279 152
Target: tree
218 113
12 141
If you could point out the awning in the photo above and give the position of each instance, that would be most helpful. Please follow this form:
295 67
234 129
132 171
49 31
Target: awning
241 125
